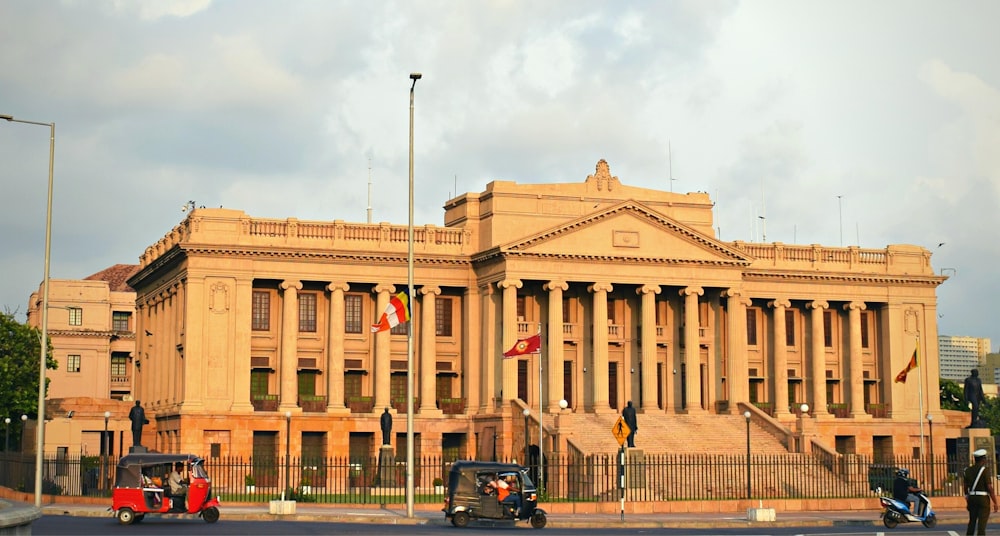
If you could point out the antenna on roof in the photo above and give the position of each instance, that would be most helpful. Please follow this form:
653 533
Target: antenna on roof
670 166
369 187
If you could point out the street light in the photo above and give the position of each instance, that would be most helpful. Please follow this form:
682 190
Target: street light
105 447
527 437
24 422
930 426
40 432
409 332
288 451
746 415
6 439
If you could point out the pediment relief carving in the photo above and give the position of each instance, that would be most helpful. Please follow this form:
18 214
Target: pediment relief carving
628 230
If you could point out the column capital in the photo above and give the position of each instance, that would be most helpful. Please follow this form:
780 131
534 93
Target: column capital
507 283
556 284
290 283
430 289
779 302
859 305
338 285
687 291
648 289
599 286
818 304
385 287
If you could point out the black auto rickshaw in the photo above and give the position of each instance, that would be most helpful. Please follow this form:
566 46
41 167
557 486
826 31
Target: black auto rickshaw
472 494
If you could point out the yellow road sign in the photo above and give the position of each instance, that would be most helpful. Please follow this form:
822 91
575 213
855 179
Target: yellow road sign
621 431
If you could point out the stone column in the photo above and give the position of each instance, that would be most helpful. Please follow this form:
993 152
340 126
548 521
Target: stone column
428 354
491 360
857 394
289 357
736 335
779 374
600 347
648 340
335 349
692 350
509 373
381 382
818 358
243 311
555 343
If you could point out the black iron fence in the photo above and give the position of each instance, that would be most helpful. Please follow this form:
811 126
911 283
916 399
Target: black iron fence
564 478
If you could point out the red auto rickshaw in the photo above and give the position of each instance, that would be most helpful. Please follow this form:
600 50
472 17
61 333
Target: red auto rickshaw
141 488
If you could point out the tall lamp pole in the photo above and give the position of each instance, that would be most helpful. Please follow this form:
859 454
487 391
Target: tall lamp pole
930 427
288 451
527 438
6 439
105 447
409 332
40 432
746 415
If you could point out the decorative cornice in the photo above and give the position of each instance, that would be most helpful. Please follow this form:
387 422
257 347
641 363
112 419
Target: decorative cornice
846 278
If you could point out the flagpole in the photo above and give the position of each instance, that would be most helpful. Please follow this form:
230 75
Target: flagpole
541 429
920 401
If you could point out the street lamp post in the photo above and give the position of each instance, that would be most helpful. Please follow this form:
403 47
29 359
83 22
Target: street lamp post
40 432
930 428
746 415
105 447
24 422
288 452
409 332
6 439
527 437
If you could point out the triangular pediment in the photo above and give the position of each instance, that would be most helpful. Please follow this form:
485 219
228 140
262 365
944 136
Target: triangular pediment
628 230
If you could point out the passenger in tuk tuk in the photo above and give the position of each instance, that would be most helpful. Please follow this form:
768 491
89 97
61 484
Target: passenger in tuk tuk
507 492
152 492
178 484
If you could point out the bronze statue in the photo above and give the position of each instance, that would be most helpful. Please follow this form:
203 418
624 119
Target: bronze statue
974 396
386 424
138 417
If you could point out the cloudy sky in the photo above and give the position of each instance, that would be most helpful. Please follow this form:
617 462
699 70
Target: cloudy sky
841 122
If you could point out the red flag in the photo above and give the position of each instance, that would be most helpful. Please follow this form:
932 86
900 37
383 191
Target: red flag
525 346
396 313
901 377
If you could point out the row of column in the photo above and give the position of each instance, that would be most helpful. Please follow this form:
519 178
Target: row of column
381 363
737 355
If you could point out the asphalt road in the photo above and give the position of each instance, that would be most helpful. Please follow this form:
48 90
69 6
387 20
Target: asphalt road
100 526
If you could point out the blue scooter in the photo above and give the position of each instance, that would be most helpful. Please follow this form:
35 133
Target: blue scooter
895 512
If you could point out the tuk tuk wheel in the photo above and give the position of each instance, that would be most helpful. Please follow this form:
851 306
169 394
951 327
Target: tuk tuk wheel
210 515
126 516
460 519
538 520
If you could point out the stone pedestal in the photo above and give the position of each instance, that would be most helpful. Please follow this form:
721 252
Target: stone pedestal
137 449
280 507
635 468
386 466
971 440
760 514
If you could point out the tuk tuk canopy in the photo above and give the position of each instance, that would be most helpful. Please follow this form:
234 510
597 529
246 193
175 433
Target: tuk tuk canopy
464 475
130 468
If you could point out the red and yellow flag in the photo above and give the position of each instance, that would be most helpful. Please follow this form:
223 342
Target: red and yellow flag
901 377
525 346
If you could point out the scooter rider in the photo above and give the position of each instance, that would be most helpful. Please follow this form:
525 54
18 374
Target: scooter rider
905 491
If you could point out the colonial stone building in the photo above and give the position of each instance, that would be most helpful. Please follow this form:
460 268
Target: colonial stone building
249 328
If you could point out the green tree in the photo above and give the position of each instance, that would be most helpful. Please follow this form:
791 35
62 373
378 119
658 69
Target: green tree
952 396
20 346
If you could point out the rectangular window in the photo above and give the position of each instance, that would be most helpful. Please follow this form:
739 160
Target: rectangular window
565 311
119 366
72 363
261 311
352 313
352 384
751 327
864 329
521 308
258 382
442 317
75 316
120 321
307 313
402 328
828 329
397 388
789 328
443 386
307 382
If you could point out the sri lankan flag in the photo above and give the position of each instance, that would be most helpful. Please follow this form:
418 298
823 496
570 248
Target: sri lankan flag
901 377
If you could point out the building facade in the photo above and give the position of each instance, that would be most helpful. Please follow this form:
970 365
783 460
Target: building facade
959 355
255 332
92 333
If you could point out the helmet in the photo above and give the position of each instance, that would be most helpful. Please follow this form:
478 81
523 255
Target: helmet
904 473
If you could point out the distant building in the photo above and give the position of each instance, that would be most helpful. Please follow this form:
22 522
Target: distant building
989 370
92 332
959 355
249 329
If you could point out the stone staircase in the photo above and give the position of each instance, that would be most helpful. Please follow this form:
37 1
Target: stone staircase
670 434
